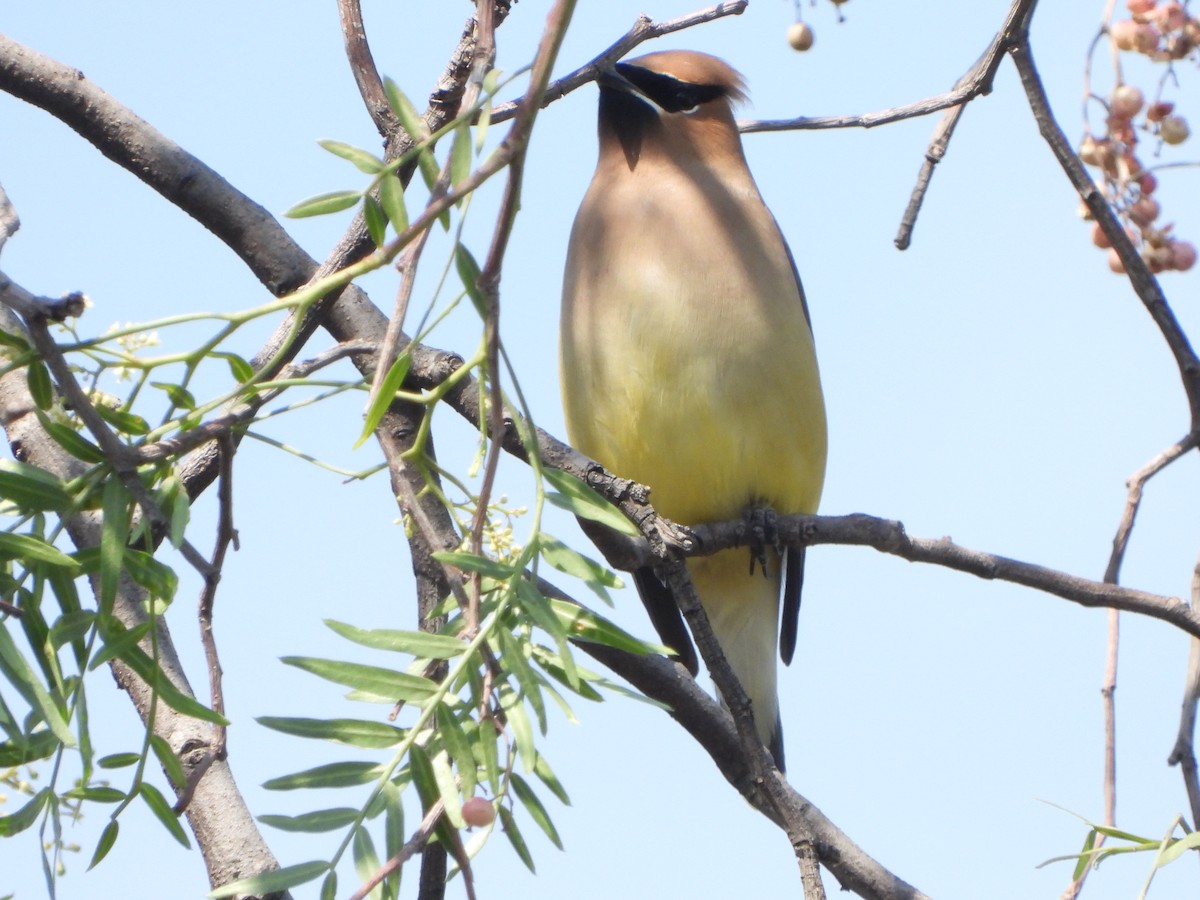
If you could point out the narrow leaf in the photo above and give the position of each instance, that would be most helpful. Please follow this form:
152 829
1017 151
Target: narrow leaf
513 833
355 732
179 396
585 502
391 198
30 548
272 882
108 837
162 810
585 625
324 204
32 488
469 562
40 386
376 220
313 822
362 159
535 809
332 775
383 398
124 422
29 686
418 643
385 684
114 534
71 440
25 816
460 154
469 273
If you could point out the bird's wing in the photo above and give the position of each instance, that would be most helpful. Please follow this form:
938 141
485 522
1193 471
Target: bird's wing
665 615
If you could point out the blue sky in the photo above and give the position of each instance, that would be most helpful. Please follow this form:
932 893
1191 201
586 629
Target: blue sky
994 383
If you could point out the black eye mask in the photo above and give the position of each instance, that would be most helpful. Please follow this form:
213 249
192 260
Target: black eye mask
671 94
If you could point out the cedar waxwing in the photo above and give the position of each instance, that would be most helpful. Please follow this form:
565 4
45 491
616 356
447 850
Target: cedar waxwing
686 353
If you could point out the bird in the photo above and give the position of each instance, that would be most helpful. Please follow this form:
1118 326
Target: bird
686 353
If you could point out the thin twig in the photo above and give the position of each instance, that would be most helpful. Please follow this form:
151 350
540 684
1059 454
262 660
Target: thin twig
412 846
362 65
1184 752
644 29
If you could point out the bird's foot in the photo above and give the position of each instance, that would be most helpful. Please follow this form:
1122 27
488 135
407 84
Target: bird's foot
762 534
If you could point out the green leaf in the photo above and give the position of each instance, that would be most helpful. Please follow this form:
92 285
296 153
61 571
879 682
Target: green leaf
324 204
329 886
71 440
469 562
410 119
385 684
355 732
241 370
122 644
97 793
123 422
108 837
376 220
585 502
40 386
29 686
114 534
272 882
1178 847
156 577
25 816
29 548
570 562
535 809
363 160
31 488
118 760
26 748
584 625
366 860
412 122
16 341
469 273
417 643
447 786
455 740
384 396
162 810
179 396
421 771
513 833
460 154
332 775
168 760
518 721
512 649
543 771
391 198
313 822
393 835
72 626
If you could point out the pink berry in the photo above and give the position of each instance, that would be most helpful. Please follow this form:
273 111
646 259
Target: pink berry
1148 183
1144 210
1127 101
1114 262
1099 238
1124 33
1174 130
1140 7
1183 255
1146 37
478 812
1158 111
1170 16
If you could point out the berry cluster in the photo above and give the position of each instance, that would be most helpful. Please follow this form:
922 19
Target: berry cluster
1164 33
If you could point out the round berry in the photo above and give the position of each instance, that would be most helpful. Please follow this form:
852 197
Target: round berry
1183 255
1127 101
1174 129
1144 210
1140 7
1114 262
478 812
800 36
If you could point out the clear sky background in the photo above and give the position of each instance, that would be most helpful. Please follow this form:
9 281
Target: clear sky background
994 383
